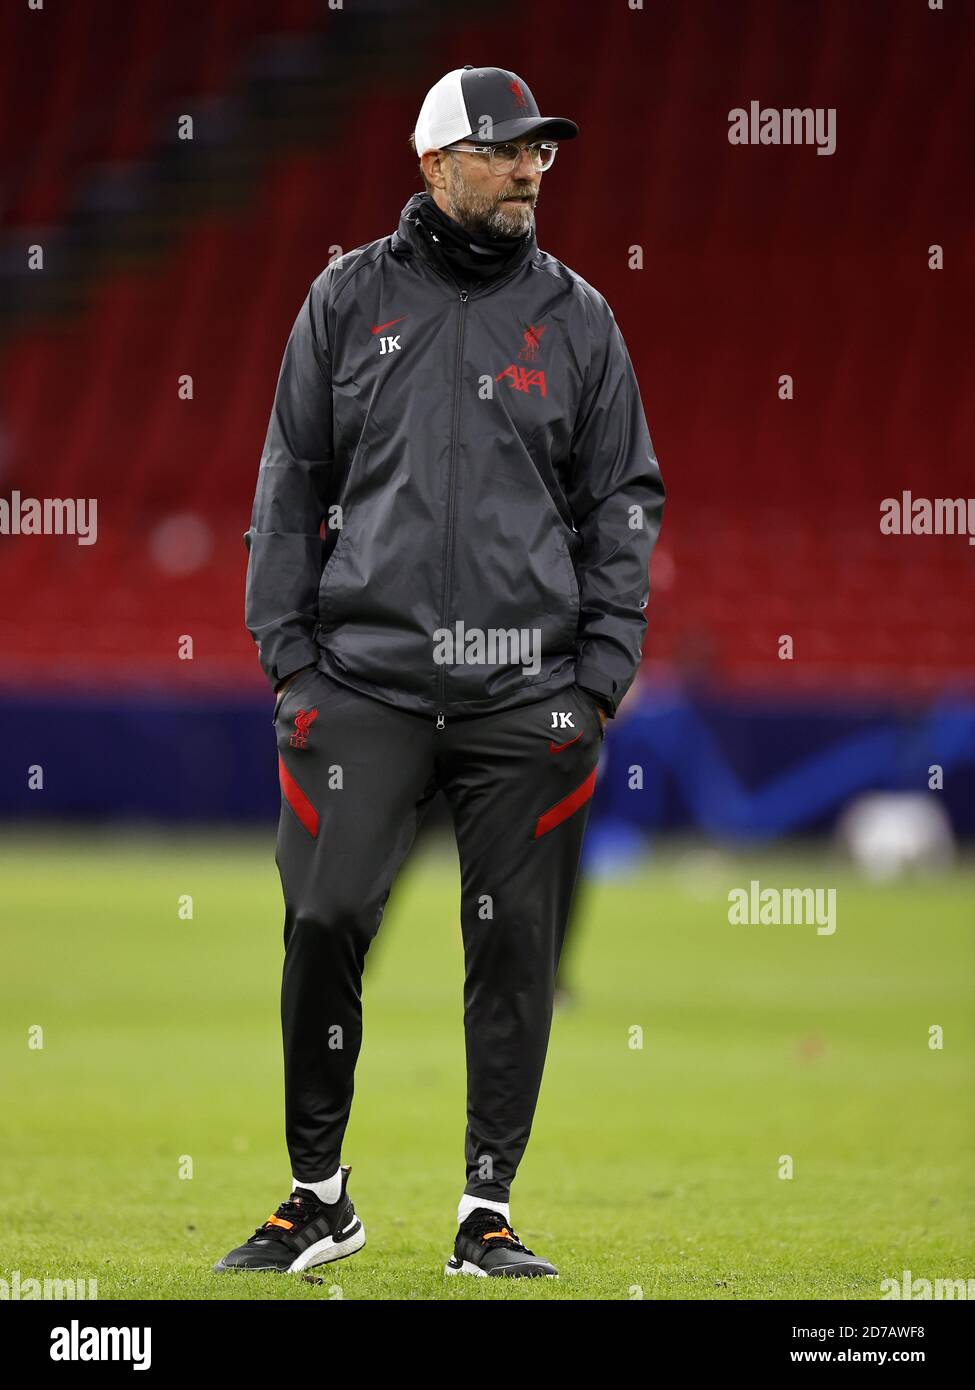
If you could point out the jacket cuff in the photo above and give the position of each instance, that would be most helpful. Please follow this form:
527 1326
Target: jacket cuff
295 659
600 700
601 688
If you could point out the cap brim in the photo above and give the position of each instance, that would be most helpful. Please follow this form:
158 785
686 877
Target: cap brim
557 127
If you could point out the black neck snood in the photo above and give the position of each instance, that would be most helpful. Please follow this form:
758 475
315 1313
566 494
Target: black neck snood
470 257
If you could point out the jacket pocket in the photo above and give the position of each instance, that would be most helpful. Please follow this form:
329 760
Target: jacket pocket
292 685
593 704
574 594
335 560
521 582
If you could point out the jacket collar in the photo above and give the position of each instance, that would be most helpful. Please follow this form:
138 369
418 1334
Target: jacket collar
410 239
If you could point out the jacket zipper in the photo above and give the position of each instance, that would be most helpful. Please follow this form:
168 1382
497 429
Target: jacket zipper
448 559
449 546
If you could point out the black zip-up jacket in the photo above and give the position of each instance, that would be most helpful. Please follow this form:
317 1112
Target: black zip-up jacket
478 457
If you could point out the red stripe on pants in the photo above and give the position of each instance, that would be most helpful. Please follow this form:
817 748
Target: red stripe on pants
297 800
564 808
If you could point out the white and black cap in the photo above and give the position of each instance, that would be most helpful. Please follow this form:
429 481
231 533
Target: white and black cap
486 104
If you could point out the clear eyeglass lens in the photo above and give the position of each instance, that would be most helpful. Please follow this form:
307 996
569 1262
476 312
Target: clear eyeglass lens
505 157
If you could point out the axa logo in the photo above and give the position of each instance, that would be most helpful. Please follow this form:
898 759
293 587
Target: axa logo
521 100
304 719
523 379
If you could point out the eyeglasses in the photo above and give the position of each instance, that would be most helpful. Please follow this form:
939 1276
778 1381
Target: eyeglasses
504 158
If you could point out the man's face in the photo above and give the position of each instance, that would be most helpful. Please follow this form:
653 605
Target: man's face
482 201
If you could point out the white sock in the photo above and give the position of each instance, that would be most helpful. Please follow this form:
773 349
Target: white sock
467 1204
329 1190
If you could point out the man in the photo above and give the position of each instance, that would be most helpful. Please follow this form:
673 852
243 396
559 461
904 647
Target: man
448 567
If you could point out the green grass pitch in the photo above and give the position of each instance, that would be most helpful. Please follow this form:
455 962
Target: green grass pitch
651 1172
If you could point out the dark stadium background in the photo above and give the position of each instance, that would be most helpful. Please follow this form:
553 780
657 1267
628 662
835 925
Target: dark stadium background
141 1086
165 257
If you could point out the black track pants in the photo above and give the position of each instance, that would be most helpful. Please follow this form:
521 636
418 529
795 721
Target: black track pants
356 777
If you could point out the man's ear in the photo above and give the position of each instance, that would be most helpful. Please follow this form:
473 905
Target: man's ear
432 163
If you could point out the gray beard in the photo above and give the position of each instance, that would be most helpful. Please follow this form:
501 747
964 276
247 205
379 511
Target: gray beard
492 218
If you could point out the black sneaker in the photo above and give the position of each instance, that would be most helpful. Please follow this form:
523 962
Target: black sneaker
487 1247
303 1232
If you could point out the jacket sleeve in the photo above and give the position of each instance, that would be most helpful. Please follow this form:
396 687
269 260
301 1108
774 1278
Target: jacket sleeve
284 544
617 497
